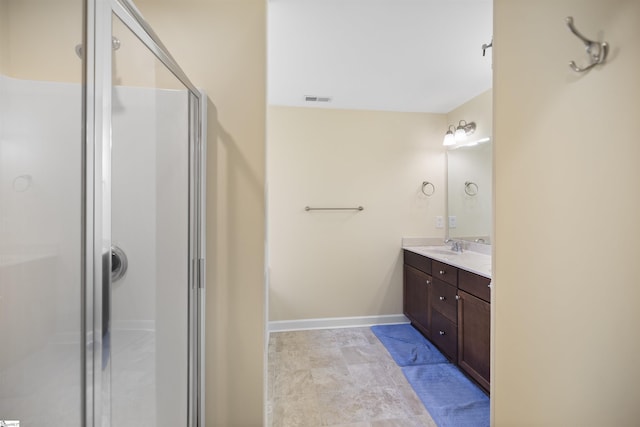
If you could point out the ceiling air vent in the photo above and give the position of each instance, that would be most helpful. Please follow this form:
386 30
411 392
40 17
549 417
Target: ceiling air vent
314 98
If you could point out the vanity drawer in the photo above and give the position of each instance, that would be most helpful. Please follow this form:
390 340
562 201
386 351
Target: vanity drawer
475 284
417 261
445 272
443 299
444 334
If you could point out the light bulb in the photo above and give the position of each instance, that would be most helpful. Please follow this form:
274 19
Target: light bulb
449 139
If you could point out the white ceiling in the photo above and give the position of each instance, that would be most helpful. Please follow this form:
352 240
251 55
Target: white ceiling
393 55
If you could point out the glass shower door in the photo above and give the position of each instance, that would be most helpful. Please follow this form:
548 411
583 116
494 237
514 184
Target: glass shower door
101 254
152 235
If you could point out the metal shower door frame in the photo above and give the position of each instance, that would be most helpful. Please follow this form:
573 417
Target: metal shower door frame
96 245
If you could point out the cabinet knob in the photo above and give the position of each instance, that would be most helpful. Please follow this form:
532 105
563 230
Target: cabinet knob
442 332
428 282
457 297
442 272
442 298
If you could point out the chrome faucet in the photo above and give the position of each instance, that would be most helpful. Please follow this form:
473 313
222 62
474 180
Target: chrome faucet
456 246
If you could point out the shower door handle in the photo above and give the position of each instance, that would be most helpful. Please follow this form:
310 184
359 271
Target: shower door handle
119 263
106 303
119 266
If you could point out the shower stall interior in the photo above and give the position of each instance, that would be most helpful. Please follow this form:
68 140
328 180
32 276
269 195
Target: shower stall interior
102 167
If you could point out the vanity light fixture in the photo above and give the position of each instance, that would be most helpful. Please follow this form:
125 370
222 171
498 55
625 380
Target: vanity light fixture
449 138
464 130
459 133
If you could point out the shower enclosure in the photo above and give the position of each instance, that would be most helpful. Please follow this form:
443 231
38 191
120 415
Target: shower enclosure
101 220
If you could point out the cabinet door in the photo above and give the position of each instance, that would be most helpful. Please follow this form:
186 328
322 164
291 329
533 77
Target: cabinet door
416 298
474 337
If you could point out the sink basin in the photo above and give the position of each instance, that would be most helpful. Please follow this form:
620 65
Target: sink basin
443 252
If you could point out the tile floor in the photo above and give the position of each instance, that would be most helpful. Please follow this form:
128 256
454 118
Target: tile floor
339 378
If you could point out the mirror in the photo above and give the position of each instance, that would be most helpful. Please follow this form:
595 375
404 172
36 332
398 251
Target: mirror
469 187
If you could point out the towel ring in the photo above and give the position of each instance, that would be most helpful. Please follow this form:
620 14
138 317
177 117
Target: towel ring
470 188
425 186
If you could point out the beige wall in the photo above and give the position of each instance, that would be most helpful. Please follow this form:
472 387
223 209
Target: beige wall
28 52
4 36
347 264
221 46
566 216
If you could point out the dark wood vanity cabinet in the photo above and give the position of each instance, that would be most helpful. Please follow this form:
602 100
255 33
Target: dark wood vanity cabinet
474 337
474 326
417 281
451 307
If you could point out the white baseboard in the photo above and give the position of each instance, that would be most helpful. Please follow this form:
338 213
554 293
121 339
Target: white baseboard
335 322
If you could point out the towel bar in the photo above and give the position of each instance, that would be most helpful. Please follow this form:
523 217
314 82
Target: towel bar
308 208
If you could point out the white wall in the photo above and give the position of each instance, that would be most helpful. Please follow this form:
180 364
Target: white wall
40 209
346 264
40 195
566 216
149 200
172 247
133 211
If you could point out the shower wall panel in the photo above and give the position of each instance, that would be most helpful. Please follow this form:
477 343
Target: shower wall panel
149 195
40 232
133 202
172 201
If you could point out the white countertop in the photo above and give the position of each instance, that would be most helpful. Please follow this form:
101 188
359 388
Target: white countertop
472 261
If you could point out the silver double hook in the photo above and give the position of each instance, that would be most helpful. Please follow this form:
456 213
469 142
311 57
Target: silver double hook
597 51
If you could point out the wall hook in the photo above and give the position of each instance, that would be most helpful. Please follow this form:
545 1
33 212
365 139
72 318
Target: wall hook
597 51
486 46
